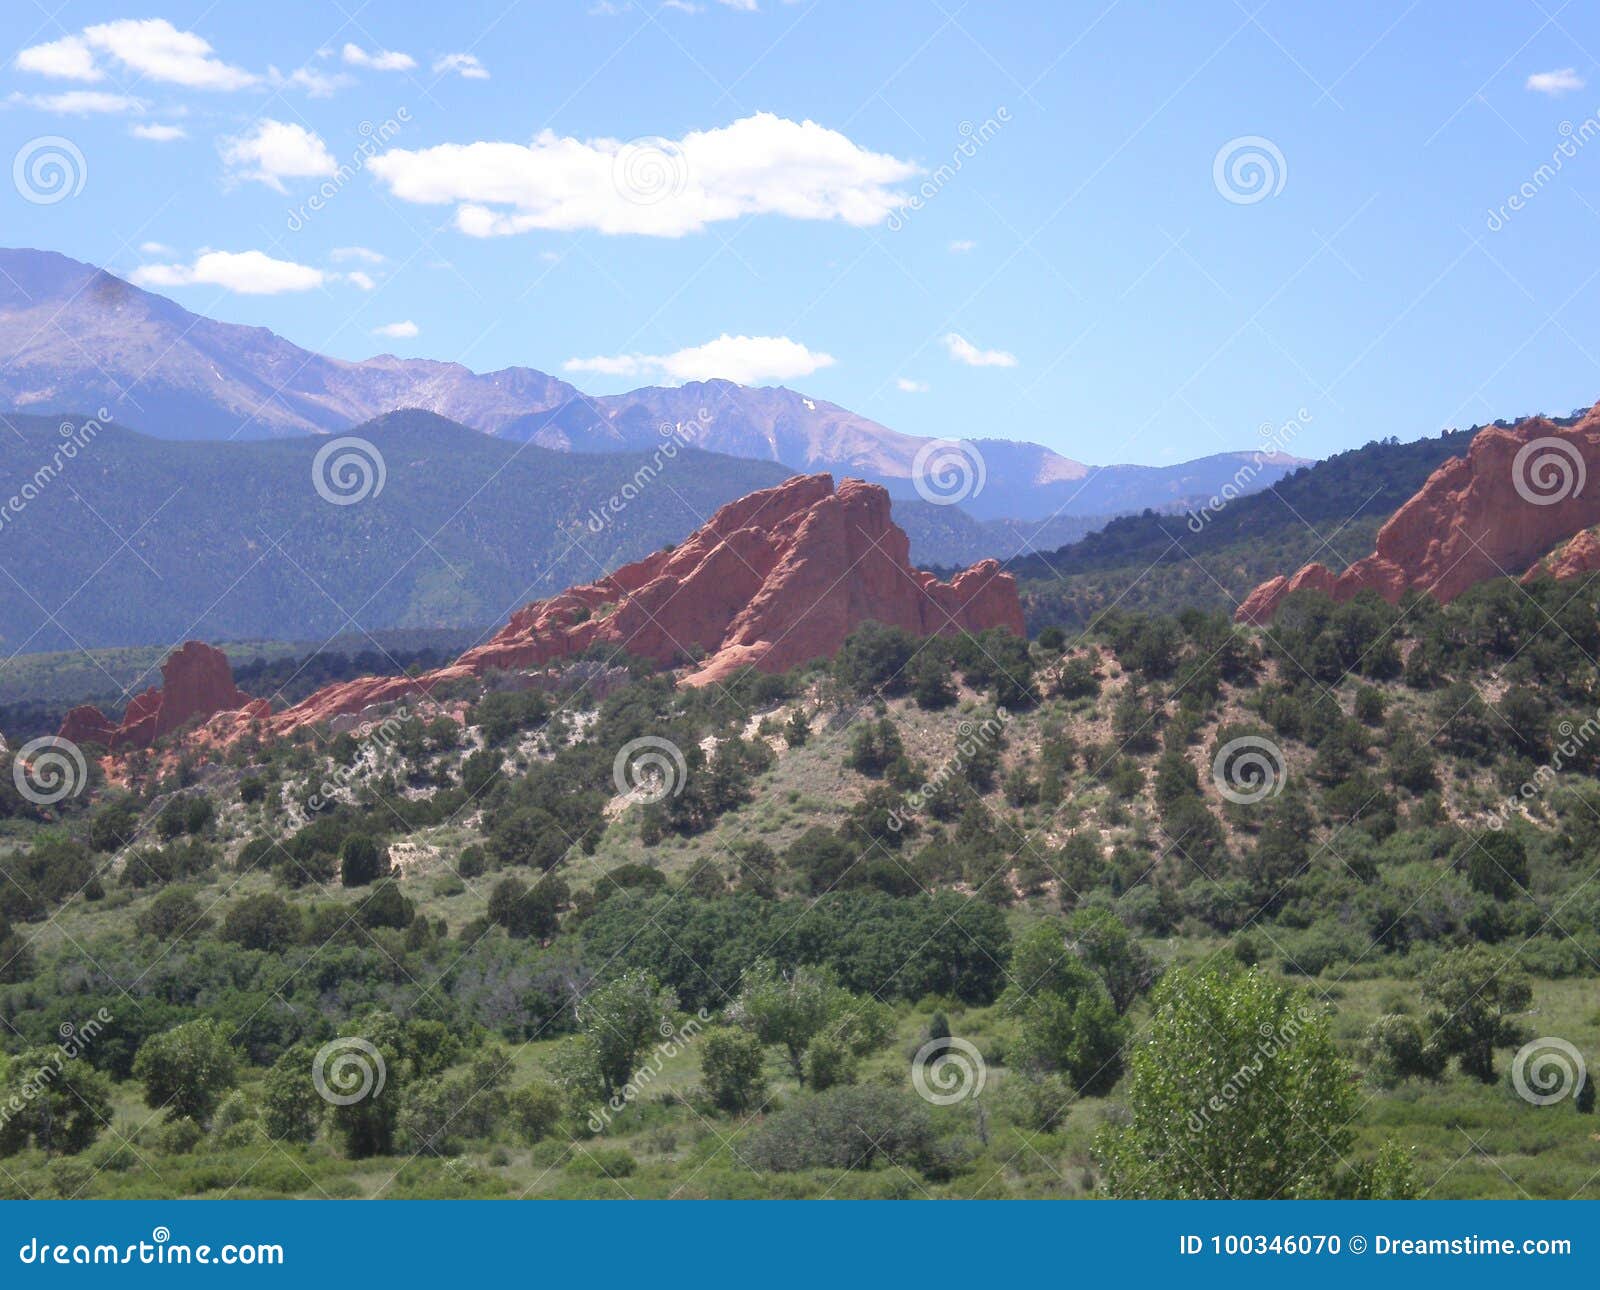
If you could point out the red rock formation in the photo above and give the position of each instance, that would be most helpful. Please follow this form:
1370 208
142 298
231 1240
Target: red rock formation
1572 559
775 579
196 683
1516 496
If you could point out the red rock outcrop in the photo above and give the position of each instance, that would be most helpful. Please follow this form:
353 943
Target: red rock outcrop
1575 557
775 579
196 684
1515 497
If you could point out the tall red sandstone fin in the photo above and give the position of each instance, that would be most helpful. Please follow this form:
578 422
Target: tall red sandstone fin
1516 496
775 579
196 683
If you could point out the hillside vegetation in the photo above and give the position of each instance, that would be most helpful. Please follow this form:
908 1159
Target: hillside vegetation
958 917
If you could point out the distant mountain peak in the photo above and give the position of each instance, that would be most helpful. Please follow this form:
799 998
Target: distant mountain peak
78 338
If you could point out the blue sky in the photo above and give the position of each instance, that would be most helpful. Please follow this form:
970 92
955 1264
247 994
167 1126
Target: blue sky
1089 276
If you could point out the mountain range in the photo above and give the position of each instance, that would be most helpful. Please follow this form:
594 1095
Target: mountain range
77 338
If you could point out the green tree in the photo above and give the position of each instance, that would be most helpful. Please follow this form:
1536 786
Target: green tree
1066 1023
1396 1050
525 911
874 658
359 861
1110 951
61 1102
363 1074
291 1107
873 746
1496 863
527 835
797 729
621 1019
263 921
186 1070
1473 994
931 683
795 1010
1077 679
534 1110
731 1068
439 1113
174 914
1238 1093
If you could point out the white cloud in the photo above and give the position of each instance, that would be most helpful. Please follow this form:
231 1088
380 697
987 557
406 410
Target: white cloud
964 351
155 248
745 359
467 65
152 47
158 133
762 164
251 273
367 256
743 6
1563 80
397 330
908 386
357 278
69 59
380 60
682 6
961 246
81 102
319 85
275 151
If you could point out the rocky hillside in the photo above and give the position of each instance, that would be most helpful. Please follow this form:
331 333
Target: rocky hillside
1041 850
774 580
